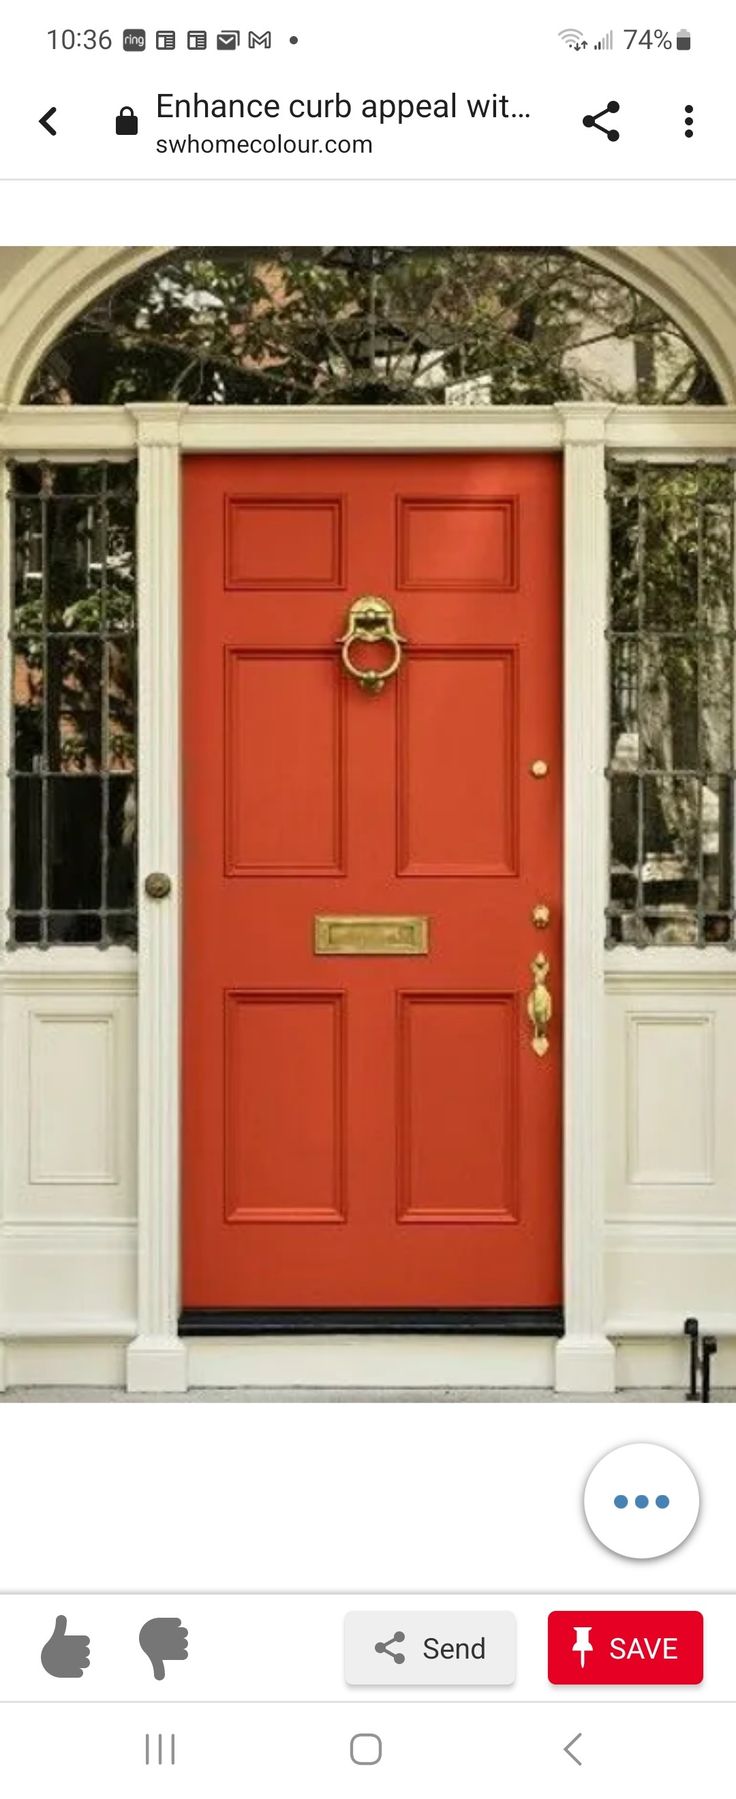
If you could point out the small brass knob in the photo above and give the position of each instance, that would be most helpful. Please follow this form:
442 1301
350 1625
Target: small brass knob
541 917
539 770
157 886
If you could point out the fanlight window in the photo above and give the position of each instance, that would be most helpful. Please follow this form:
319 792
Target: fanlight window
373 326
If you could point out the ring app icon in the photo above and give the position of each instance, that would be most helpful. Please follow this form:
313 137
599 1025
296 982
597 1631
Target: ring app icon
641 1501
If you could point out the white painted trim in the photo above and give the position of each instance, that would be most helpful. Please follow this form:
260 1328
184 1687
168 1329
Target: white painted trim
157 1358
47 293
585 1360
57 1328
674 430
677 970
35 1361
72 431
628 431
385 1362
664 1325
268 429
97 972
692 290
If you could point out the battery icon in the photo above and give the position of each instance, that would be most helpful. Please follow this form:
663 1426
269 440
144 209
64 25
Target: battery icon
684 40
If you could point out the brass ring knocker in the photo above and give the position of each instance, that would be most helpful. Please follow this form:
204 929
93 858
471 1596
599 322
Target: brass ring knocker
371 620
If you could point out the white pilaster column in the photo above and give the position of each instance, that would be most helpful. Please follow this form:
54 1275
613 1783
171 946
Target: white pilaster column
585 1357
157 1359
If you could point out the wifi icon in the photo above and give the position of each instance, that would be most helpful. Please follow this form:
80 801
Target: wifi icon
575 40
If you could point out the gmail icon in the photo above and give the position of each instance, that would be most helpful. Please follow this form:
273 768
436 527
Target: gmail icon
259 37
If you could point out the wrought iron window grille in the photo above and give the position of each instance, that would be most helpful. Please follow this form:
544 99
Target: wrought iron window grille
671 631
73 810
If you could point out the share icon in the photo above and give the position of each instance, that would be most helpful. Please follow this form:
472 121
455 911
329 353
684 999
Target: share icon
591 120
396 1655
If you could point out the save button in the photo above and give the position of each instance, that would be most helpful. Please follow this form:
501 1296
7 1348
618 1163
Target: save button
610 1649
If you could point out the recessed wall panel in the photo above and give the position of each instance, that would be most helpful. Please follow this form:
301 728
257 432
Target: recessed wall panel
283 764
457 1108
670 1086
72 1139
284 1105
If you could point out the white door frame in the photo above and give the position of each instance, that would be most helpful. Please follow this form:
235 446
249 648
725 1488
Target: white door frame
161 434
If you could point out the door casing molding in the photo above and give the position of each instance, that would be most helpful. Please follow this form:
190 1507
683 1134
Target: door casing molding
157 1359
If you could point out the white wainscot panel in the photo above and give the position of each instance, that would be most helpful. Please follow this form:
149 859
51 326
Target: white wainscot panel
671 1149
69 1104
670 1099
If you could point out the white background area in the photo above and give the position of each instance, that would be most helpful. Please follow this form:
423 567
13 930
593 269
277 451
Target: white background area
407 1497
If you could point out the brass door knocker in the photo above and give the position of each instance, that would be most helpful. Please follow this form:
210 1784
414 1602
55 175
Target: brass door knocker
371 620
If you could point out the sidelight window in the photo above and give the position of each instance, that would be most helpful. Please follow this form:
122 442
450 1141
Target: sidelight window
73 730
671 767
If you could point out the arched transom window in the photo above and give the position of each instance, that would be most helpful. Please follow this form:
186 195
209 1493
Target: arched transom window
374 326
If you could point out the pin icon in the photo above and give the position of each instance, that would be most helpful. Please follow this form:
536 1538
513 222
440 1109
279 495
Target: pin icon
163 1640
65 1657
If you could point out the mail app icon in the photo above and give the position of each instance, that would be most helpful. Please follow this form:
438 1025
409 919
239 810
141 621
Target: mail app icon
259 37
228 40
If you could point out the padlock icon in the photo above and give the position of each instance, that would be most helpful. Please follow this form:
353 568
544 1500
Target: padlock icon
683 40
126 123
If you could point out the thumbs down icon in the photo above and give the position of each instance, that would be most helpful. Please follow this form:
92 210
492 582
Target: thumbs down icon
164 1640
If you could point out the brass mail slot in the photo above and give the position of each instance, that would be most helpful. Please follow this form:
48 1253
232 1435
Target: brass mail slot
364 935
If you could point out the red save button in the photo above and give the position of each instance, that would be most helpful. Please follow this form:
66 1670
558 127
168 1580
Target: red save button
611 1649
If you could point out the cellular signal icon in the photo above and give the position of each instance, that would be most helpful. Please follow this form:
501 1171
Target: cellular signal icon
575 40
605 42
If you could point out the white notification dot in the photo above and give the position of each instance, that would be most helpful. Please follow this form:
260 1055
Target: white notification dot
641 1500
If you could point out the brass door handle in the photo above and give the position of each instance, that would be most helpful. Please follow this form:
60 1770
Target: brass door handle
539 1005
371 620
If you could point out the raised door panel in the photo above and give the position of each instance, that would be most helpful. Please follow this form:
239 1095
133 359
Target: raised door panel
284 775
458 764
284 1108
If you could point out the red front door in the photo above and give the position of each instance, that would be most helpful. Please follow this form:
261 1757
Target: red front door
371 1130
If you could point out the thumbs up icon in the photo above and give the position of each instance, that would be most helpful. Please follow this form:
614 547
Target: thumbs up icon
65 1657
164 1640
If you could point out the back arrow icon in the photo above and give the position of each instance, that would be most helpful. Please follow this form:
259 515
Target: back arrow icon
45 121
568 1749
